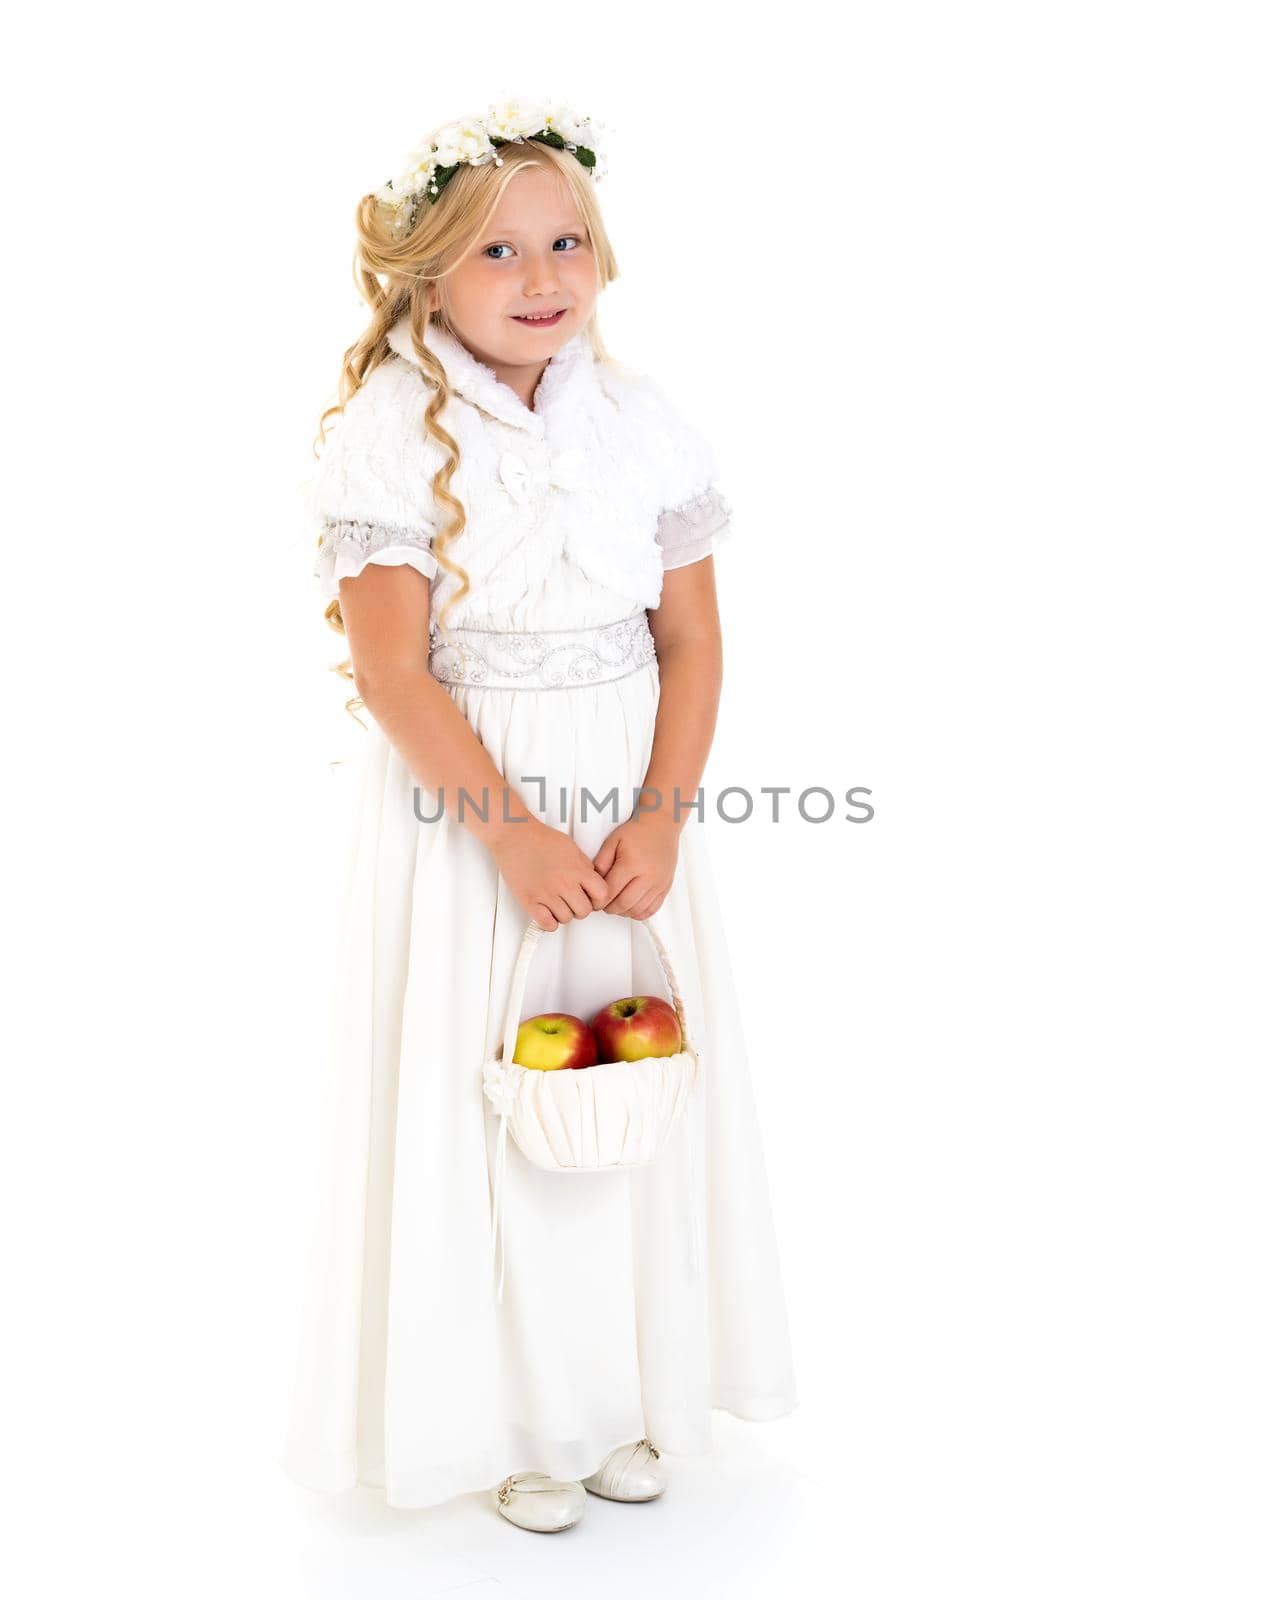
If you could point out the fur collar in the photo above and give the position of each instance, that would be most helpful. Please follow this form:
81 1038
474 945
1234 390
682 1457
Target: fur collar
571 366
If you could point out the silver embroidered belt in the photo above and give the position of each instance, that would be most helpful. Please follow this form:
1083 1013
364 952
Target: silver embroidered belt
555 658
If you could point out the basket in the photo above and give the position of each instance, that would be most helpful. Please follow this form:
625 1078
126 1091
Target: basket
608 1117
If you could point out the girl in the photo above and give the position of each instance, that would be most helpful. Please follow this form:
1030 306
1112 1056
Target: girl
515 536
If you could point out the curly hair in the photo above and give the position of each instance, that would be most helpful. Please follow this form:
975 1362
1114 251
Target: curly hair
416 271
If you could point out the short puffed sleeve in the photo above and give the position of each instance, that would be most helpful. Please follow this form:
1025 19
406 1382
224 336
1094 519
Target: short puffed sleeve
693 529
369 498
694 518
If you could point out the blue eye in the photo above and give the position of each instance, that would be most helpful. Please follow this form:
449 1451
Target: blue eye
571 238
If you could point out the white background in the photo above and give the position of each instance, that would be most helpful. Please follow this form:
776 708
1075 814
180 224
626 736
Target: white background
978 304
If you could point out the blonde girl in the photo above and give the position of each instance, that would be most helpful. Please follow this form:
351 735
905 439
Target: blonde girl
515 537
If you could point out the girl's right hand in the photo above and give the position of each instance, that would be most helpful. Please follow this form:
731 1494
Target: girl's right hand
552 878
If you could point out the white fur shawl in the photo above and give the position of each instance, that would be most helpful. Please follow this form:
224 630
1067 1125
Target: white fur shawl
599 489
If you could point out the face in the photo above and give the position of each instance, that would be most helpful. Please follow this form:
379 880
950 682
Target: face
533 256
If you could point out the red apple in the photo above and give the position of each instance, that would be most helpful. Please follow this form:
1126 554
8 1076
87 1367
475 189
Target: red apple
554 1039
638 1026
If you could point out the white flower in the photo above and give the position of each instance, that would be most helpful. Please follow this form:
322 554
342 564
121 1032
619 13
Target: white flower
514 119
561 119
586 133
472 141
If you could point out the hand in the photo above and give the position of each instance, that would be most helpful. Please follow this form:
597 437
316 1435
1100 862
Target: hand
638 860
551 876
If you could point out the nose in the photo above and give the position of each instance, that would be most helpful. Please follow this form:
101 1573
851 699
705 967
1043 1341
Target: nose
542 278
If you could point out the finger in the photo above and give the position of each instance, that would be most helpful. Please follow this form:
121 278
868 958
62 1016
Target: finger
646 908
598 889
580 900
544 917
605 854
561 909
617 880
630 897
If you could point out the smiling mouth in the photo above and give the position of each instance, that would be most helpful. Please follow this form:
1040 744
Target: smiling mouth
544 319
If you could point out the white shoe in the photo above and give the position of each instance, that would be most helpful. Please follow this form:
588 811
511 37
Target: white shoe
629 1473
539 1502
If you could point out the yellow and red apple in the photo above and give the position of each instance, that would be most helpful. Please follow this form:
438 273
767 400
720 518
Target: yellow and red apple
554 1039
635 1027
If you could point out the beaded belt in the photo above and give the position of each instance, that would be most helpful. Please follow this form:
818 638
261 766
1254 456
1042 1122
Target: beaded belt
555 658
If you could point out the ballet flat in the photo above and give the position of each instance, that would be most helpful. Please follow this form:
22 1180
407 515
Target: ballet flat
539 1502
630 1472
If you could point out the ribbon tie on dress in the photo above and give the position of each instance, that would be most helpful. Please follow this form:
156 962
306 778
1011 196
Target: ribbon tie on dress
500 1088
563 469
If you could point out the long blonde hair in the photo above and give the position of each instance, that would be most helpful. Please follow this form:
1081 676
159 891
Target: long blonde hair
414 267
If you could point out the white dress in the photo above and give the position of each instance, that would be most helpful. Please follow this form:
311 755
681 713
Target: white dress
632 1302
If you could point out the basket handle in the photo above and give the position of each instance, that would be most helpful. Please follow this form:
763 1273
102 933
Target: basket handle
533 936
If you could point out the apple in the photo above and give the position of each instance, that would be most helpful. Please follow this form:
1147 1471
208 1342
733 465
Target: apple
639 1025
554 1039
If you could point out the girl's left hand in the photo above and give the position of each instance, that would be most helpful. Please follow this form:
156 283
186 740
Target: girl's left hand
638 862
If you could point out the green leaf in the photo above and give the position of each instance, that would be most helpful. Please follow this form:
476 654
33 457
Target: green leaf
442 176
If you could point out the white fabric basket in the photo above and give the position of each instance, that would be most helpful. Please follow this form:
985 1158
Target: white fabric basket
607 1117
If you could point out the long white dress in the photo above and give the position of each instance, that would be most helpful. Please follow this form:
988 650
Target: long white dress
633 1302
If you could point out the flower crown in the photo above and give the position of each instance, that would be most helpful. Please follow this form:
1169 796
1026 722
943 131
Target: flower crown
475 140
